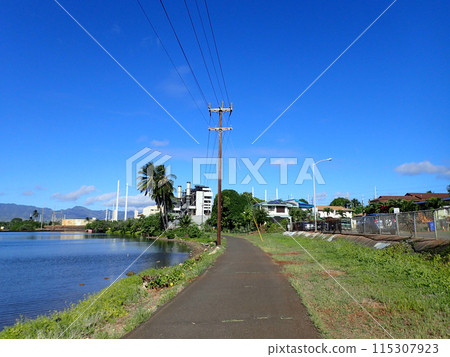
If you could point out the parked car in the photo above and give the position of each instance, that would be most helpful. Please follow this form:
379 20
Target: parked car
377 224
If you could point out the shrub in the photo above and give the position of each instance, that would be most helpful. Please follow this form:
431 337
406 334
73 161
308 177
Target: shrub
194 232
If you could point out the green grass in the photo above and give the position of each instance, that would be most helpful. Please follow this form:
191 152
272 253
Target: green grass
407 293
115 310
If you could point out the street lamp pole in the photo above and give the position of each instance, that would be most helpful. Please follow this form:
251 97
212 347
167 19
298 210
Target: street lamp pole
314 191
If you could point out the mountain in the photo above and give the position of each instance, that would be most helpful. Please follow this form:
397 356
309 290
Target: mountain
8 211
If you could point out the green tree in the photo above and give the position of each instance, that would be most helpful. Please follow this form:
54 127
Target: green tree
327 210
341 202
185 221
35 214
355 203
261 215
433 203
298 214
154 182
233 204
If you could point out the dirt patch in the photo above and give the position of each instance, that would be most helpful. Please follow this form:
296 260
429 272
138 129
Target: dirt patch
332 273
288 253
372 304
290 262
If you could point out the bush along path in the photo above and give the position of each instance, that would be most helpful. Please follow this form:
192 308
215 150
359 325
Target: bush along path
121 307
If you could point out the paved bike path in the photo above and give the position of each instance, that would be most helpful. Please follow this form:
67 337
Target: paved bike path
244 295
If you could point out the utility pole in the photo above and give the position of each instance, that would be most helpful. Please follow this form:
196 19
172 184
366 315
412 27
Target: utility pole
220 110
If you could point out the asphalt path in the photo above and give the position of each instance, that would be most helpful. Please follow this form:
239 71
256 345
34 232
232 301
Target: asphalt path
244 295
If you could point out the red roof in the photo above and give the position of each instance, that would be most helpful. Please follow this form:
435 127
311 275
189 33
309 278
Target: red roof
426 196
416 197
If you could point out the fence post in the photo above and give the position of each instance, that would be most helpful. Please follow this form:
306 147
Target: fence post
414 221
435 224
396 223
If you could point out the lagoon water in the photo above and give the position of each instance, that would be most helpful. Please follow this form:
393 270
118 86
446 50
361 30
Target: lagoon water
41 272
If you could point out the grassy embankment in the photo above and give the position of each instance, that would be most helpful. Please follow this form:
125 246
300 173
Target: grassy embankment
407 293
119 308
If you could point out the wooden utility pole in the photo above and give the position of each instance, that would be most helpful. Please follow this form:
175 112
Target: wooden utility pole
220 110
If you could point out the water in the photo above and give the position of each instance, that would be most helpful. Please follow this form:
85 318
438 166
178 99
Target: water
43 272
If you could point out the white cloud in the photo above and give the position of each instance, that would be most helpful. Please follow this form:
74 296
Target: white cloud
116 29
160 142
341 194
75 195
424 167
99 198
321 196
134 202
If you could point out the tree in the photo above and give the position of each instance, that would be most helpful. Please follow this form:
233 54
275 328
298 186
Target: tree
328 210
433 203
341 213
35 214
297 214
185 221
154 182
355 203
261 215
341 202
233 204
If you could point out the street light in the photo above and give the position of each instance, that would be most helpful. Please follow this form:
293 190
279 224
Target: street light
314 189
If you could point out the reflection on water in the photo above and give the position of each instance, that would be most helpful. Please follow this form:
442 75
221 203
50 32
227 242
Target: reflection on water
46 271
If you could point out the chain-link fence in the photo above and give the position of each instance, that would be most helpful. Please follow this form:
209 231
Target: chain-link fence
433 224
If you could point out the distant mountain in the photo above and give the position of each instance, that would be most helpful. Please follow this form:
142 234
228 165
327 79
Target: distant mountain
8 211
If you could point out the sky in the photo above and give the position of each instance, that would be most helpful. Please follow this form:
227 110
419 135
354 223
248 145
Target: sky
73 113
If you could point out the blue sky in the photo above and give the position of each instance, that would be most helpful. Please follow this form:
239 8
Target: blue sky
71 117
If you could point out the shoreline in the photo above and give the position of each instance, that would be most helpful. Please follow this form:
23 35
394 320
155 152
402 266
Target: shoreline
119 307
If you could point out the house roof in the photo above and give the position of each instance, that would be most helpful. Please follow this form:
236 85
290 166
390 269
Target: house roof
387 198
416 197
300 204
426 196
334 208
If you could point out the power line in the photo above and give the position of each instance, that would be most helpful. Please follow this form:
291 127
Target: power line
209 47
184 53
170 58
217 52
128 73
201 51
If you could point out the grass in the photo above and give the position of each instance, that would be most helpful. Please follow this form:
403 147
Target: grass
407 293
115 310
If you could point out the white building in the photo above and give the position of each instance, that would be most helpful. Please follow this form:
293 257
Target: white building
322 212
149 210
197 202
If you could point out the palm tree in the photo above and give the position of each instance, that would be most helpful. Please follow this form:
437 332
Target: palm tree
154 182
327 210
355 203
35 214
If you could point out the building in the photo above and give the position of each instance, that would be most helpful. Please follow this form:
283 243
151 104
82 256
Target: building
149 210
196 202
277 208
300 204
333 213
415 197
74 222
